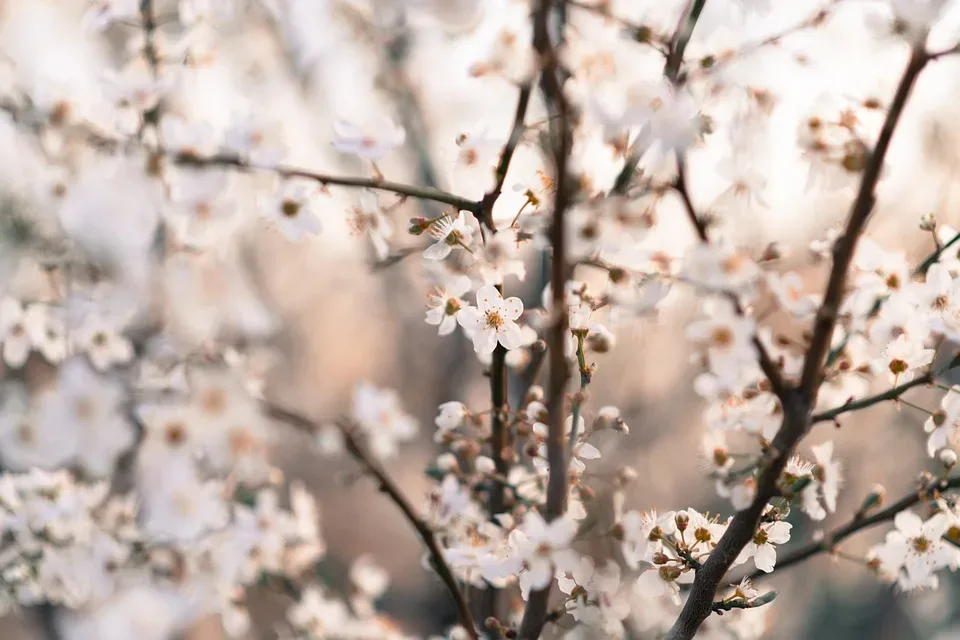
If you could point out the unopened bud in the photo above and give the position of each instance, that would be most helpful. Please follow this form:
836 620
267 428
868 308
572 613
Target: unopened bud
928 222
484 465
626 475
773 251
660 558
447 462
617 532
766 598
682 521
417 225
948 458
874 499
669 573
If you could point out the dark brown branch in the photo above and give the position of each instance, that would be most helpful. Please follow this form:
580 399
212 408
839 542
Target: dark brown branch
863 403
236 162
485 214
858 523
846 245
386 484
797 403
535 615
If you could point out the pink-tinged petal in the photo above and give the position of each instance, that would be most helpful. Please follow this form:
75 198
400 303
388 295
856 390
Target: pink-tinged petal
512 308
438 251
510 336
488 298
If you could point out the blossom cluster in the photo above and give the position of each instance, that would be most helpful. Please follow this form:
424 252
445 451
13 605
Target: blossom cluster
137 493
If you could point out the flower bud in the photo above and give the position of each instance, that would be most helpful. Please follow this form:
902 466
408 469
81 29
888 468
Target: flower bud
874 499
617 532
660 558
534 394
484 465
417 225
447 462
626 475
948 458
682 521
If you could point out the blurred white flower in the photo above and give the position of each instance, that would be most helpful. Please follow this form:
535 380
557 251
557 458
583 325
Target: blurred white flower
371 140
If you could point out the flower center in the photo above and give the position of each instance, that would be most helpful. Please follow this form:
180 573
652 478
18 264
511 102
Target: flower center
761 537
921 544
898 366
290 208
722 336
494 320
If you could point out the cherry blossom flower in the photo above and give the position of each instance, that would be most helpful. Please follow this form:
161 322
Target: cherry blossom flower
791 294
493 320
372 140
47 330
446 304
449 232
379 414
761 548
902 358
915 550
103 344
367 219
543 548
290 209
16 339
720 267
942 424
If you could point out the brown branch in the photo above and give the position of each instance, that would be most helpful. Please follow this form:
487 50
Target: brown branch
859 522
797 403
671 71
425 193
485 213
890 394
386 484
535 615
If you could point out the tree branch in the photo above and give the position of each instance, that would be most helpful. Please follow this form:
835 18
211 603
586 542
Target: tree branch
386 484
869 401
859 522
236 162
485 215
535 615
797 403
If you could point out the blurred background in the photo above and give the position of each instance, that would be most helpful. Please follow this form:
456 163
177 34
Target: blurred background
302 64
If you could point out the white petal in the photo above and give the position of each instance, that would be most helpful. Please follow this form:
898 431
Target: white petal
488 298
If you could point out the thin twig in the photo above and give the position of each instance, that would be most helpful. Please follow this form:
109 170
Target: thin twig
234 161
387 485
798 402
858 523
485 214
935 256
863 403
